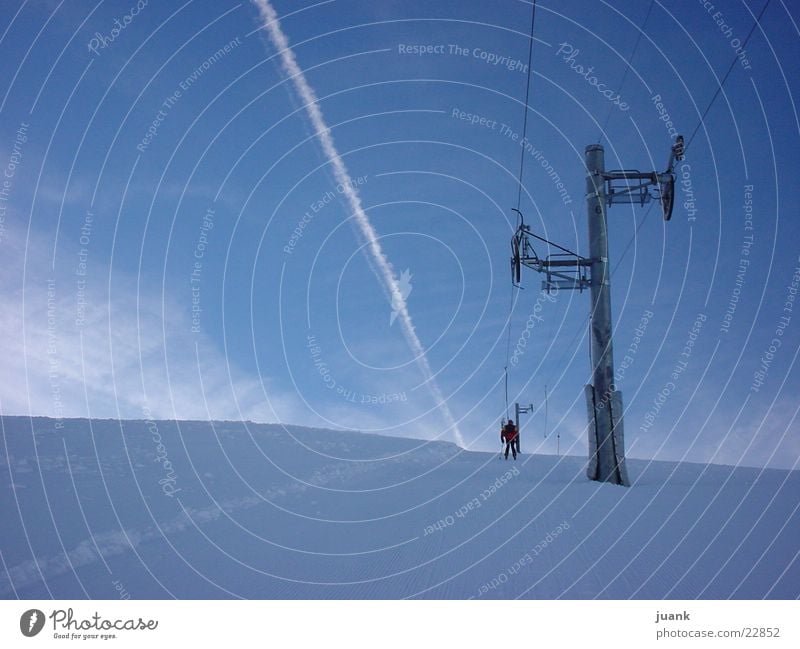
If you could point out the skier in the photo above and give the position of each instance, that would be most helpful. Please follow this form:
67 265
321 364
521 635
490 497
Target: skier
509 435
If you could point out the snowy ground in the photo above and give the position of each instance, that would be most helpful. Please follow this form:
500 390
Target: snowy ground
259 512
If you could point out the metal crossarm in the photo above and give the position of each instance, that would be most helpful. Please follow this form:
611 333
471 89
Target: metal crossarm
564 270
619 187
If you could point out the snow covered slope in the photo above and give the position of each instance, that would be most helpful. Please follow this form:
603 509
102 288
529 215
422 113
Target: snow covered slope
107 509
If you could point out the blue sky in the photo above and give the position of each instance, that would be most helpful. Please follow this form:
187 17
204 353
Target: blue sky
183 142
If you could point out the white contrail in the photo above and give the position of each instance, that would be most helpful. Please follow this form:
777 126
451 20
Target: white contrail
385 271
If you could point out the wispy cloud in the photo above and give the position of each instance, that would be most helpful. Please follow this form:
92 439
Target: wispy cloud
130 352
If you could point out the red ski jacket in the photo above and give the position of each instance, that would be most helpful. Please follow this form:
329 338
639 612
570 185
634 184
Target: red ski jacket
509 433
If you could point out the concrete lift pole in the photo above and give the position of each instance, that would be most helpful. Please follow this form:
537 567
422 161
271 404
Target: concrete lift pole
567 270
606 441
